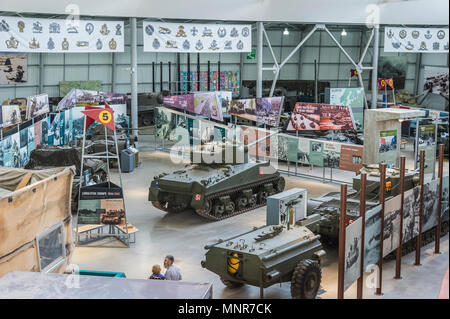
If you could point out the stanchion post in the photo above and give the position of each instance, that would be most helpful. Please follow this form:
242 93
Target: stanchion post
437 236
419 236
342 218
398 259
362 214
382 202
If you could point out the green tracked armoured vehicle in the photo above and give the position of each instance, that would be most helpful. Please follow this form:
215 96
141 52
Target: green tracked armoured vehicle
269 255
213 189
328 205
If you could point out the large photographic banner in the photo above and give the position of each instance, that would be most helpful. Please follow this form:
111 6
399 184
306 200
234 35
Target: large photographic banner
353 244
193 37
372 237
14 67
391 225
388 147
309 116
435 80
37 105
19 34
10 115
244 108
268 110
417 40
427 136
352 97
182 102
208 105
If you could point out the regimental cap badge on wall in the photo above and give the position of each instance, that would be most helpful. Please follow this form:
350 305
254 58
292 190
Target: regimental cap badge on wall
104 30
65 45
12 43
21 26
112 44
34 44
89 27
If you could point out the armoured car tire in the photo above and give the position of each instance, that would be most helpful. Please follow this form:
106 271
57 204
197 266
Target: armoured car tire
231 284
306 280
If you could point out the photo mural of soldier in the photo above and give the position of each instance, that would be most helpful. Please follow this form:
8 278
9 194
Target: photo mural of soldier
352 252
13 68
411 208
372 236
391 238
430 205
283 147
331 155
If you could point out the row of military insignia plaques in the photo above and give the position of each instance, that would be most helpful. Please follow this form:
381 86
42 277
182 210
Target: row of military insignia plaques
190 37
59 35
416 40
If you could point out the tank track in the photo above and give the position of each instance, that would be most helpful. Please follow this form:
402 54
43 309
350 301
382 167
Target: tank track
253 186
167 209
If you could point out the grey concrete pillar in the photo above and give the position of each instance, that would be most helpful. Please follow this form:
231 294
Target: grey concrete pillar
259 60
376 44
134 104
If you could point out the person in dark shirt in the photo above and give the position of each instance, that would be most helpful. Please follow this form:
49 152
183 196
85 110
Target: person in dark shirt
156 273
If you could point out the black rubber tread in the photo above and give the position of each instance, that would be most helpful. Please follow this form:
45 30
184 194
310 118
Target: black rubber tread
232 191
169 210
299 276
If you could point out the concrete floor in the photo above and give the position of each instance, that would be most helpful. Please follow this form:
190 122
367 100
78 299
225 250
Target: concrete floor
185 234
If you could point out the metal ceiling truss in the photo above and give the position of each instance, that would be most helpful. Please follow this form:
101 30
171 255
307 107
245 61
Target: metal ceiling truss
358 65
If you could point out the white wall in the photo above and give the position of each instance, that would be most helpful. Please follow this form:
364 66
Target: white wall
298 11
334 66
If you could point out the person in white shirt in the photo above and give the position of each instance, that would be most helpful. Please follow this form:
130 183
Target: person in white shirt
172 272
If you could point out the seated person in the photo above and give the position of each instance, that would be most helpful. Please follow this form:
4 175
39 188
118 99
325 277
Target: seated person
156 273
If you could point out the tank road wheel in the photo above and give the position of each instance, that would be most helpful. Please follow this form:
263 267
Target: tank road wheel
229 208
207 207
280 184
306 280
252 201
218 209
262 197
231 284
241 202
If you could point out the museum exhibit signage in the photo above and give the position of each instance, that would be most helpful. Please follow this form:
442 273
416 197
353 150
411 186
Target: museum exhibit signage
417 40
195 37
309 116
101 204
18 34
